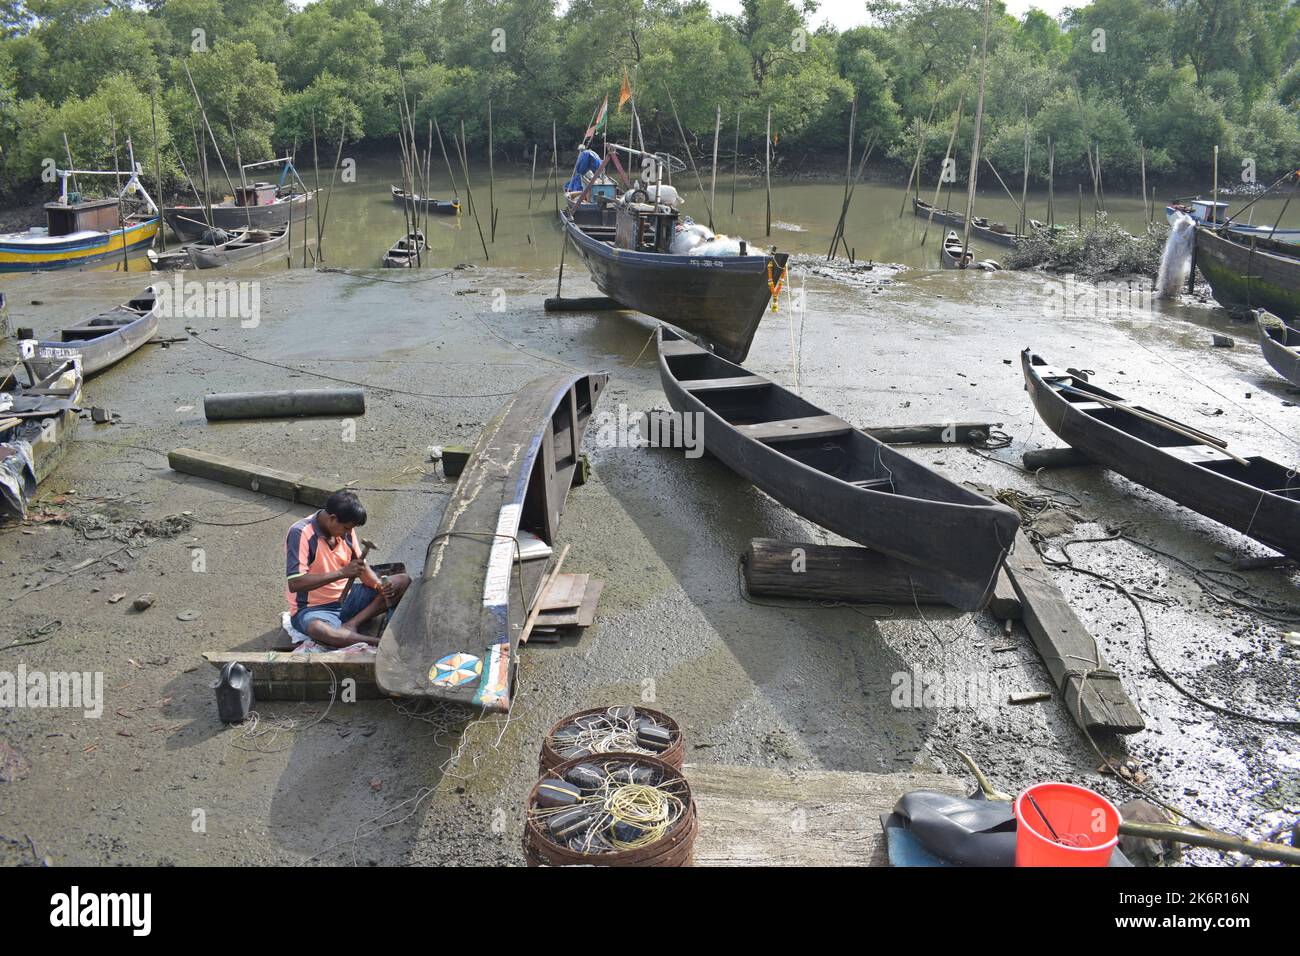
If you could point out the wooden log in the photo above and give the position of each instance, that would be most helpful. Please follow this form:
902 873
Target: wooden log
798 570
241 474
1005 603
594 303
944 433
285 404
1056 458
1067 649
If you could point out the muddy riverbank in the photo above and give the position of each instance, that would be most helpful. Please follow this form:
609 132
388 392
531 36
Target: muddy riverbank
157 779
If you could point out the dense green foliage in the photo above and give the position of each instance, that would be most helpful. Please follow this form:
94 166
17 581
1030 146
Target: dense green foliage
1175 76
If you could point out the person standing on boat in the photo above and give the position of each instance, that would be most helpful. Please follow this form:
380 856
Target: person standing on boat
588 161
321 555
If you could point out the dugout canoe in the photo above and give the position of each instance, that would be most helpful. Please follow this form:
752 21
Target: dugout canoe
951 255
951 540
105 339
273 212
1250 272
719 299
439 207
455 636
1256 496
244 245
403 253
1281 346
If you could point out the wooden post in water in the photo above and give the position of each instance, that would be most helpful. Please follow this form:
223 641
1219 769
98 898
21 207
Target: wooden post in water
767 169
1051 184
157 163
532 179
713 181
947 155
735 163
1024 188
555 164
492 181
1215 187
975 146
1143 152
1081 206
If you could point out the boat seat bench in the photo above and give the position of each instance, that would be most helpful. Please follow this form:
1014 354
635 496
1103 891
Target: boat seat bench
722 384
815 426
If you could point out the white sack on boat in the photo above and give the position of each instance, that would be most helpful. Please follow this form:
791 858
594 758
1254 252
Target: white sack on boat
720 247
688 237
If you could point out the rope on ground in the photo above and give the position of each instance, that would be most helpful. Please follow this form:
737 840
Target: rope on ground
375 278
333 378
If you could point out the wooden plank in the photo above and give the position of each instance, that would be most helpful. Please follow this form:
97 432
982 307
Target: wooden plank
242 474
1067 648
814 426
756 816
1005 603
724 384
280 675
587 610
800 570
565 592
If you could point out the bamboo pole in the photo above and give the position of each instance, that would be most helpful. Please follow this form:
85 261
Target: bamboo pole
1215 185
555 164
1145 211
532 179
1051 184
767 169
735 164
446 159
713 182
1024 188
947 155
324 218
690 155
975 147
492 180
157 162
469 195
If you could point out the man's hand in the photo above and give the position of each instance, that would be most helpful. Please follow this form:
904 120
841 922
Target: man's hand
353 569
388 589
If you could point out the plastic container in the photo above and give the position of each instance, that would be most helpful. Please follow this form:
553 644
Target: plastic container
1086 822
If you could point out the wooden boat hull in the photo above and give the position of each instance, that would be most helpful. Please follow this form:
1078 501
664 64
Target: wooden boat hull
188 223
1250 273
243 248
719 300
1281 347
456 634
950 253
942 217
107 338
1217 486
30 451
402 254
32 254
952 540
439 207
980 228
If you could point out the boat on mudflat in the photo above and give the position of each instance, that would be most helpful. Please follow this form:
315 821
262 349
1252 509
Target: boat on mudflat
1281 346
950 540
455 636
38 416
1251 272
241 245
403 253
1256 496
104 339
254 206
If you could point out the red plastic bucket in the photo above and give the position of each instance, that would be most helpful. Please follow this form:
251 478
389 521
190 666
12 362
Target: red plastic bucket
1086 822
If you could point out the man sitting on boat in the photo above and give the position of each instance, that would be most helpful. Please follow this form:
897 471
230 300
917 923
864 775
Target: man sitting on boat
588 162
322 556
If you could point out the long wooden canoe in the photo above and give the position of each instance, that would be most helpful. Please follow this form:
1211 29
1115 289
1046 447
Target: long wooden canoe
1249 272
952 540
1256 496
455 635
190 222
1281 346
439 207
719 299
402 254
951 255
104 339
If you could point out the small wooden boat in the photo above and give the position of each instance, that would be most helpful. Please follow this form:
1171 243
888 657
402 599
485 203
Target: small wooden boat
1256 496
439 207
104 339
952 540
455 636
951 254
1281 346
720 299
1205 212
257 206
402 253
243 245
980 227
942 217
38 417
1251 272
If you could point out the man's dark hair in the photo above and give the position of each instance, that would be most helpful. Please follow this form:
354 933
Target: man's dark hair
346 507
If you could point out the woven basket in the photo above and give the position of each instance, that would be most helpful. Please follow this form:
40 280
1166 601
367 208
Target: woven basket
550 757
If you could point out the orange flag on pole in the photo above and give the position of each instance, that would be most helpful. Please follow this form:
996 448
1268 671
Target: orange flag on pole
624 92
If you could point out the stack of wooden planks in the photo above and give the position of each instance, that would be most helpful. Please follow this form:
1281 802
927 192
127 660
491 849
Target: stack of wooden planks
566 607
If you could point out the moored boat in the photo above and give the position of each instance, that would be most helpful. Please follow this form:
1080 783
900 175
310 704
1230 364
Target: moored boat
104 339
1256 496
951 540
455 636
1281 346
951 252
405 251
1250 272
257 205
439 207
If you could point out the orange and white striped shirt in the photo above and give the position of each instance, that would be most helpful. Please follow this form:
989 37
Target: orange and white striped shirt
308 550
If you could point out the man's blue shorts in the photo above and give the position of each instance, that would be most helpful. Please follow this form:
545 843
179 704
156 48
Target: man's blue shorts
335 614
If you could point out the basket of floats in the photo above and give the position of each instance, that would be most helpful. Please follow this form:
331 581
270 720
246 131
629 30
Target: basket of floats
610 810
607 730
